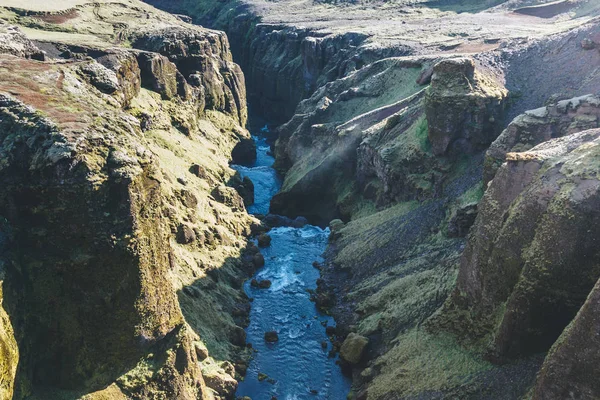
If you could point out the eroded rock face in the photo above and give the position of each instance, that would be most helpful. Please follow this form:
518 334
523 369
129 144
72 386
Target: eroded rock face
532 257
106 260
569 370
537 126
464 107
14 42
204 60
58 300
160 75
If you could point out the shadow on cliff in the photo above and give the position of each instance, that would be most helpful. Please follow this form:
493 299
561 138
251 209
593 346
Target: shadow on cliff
216 305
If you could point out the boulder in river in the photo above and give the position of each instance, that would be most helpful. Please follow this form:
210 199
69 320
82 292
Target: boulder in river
244 153
353 348
263 284
271 336
258 260
264 240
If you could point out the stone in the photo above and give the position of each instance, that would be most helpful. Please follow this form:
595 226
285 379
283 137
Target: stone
228 196
335 226
222 383
258 260
271 337
264 240
201 351
262 284
244 153
158 74
101 77
530 261
540 125
245 188
185 234
588 44
353 348
199 171
262 376
464 107
299 222
238 336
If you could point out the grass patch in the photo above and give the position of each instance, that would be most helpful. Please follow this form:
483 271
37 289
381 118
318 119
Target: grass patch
422 362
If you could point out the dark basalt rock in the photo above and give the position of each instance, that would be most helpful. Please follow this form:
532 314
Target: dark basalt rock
271 337
464 107
244 153
532 259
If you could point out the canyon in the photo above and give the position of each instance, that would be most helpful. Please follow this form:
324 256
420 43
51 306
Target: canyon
407 211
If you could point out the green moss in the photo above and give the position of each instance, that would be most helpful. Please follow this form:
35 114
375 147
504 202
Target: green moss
421 362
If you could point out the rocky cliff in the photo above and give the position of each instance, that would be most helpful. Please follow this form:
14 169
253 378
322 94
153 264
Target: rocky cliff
120 267
392 137
396 118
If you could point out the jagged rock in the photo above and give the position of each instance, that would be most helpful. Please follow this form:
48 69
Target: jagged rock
244 153
271 337
204 58
262 376
238 336
158 74
299 222
228 196
201 351
14 42
125 66
264 240
199 171
335 226
245 188
464 107
537 126
222 383
353 348
530 261
101 77
263 284
188 198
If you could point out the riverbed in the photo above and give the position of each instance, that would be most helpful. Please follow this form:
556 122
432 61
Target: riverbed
298 366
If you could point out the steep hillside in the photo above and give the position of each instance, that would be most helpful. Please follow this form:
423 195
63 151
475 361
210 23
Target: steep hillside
121 243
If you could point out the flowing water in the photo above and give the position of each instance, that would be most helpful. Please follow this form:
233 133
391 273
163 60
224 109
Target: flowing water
297 366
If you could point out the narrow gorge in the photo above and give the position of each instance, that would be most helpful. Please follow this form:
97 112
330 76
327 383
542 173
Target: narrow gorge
298 199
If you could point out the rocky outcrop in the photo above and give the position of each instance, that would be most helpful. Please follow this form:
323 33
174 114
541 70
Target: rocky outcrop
464 107
569 368
353 348
92 345
110 242
162 76
320 147
14 42
540 125
205 61
531 259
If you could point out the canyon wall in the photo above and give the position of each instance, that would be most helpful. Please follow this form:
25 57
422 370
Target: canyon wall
120 267
395 143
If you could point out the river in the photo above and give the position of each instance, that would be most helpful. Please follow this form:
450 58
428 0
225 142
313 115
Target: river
297 366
